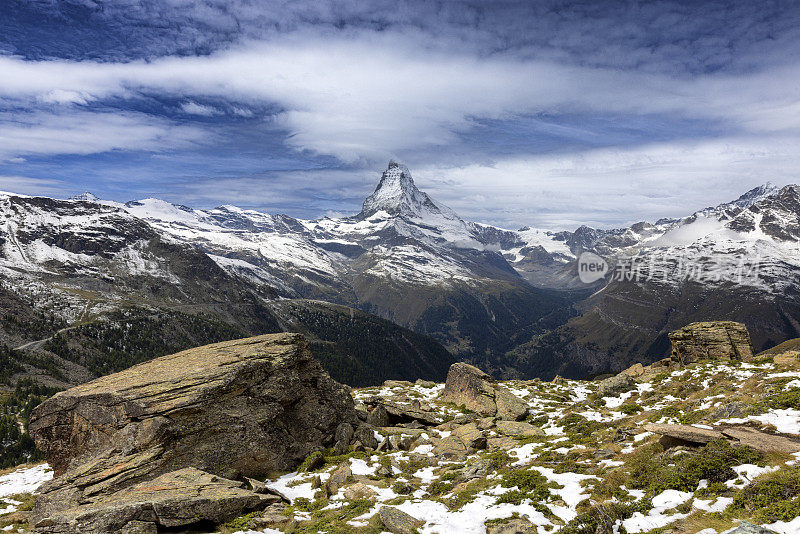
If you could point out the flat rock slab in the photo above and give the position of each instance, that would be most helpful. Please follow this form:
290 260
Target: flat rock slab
685 432
184 498
762 441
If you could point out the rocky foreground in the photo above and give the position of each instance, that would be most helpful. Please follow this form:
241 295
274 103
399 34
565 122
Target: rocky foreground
705 441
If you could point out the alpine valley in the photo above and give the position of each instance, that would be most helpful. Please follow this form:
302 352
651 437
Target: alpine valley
401 290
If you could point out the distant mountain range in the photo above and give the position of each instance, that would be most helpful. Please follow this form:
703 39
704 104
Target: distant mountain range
510 301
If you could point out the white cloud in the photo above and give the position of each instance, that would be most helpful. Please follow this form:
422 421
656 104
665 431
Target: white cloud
26 185
83 132
193 108
613 186
368 95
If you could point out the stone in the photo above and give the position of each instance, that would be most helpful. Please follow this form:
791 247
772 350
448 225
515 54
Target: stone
313 462
397 521
344 432
177 500
615 385
479 469
514 526
685 433
425 383
242 408
366 435
378 416
635 370
359 491
763 441
509 406
274 515
730 410
749 528
470 387
397 384
603 454
787 358
470 435
713 340
399 413
451 448
518 428
338 478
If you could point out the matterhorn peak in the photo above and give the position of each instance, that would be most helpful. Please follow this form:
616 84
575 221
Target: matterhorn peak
396 193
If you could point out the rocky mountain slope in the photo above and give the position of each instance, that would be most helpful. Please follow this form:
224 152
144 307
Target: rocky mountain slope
705 442
509 301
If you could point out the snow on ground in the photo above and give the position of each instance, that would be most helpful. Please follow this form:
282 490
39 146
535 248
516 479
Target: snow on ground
25 480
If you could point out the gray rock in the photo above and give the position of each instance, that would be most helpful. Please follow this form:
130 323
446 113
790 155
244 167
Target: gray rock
470 387
378 416
615 385
366 435
686 433
176 500
398 522
235 409
714 340
518 428
749 528
514 526
338 478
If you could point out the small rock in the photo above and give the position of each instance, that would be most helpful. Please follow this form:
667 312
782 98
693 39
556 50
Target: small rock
384 471
378 416
603 454
509 406
749 528
398 522
515 526
518 428
469 386
338 478
314 461
360 491
397 384
425 383
344 432
470 435
615 385
366 435
451 448
274 515
465 418
477 470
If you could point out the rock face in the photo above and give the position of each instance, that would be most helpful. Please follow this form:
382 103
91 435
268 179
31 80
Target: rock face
234 409
469 386
715 340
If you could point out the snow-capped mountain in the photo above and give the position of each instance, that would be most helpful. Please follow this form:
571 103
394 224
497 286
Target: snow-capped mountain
503 298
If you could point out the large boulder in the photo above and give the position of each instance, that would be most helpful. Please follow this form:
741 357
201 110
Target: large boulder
715 340
180 501
235 409
470 387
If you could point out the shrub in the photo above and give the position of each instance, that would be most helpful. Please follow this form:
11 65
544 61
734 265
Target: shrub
630 409
771 497
713 462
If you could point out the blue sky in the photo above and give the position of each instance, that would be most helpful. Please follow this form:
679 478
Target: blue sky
548 113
